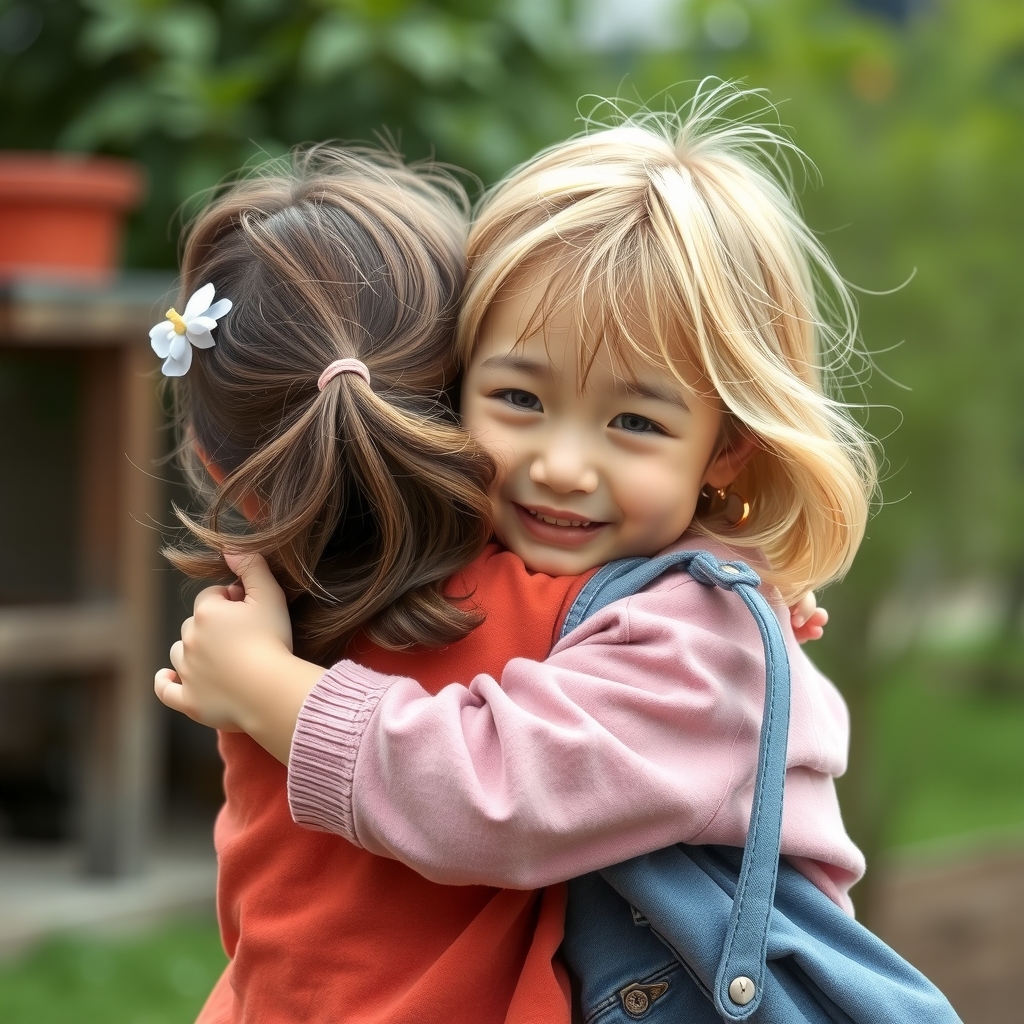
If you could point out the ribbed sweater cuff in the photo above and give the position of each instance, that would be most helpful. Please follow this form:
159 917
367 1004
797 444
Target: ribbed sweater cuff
325 746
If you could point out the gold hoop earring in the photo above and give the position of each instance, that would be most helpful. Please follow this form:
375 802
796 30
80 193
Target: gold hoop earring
731 506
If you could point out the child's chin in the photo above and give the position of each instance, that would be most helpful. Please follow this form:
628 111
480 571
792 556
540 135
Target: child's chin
553 562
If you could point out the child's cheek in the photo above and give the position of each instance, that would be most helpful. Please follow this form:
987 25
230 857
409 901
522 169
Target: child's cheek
497 507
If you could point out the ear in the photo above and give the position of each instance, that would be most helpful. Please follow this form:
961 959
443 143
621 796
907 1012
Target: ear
250 503
726 465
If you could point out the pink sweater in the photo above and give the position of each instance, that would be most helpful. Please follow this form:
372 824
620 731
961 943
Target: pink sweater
639 730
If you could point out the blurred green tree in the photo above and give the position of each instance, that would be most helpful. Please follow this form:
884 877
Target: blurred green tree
196 89
916 130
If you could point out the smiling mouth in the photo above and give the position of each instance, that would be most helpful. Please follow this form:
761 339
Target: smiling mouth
565 530
557 522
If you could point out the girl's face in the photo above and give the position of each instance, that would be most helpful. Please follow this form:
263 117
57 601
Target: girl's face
587 472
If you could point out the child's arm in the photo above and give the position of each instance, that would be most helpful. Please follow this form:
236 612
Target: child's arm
235 670
561 768
233 666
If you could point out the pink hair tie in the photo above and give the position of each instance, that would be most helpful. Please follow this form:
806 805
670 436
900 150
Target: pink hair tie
340 366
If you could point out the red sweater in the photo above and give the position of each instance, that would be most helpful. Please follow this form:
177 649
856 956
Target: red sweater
320 931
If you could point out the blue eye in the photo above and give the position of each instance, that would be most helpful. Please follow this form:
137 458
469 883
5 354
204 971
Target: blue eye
520 399
634 424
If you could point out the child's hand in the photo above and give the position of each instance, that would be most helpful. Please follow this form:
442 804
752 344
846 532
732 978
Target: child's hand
232 629
233 666
808 619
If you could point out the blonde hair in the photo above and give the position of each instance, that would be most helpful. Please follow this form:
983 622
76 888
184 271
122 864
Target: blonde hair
370 495
686 224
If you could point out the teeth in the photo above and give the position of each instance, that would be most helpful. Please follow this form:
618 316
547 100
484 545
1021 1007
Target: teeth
558 522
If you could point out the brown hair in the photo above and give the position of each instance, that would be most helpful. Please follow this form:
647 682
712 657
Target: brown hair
369 496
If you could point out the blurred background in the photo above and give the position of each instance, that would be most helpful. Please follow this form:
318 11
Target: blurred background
913 114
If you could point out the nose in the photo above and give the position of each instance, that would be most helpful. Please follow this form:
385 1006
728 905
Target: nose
565 465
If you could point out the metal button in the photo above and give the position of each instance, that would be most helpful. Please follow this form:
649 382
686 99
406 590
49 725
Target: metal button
741 990
637 999
636 1002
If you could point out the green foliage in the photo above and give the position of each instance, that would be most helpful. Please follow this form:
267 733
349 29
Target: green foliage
919 136
197 89
957 753
161 977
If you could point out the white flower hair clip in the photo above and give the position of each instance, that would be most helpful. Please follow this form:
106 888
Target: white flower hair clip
172 340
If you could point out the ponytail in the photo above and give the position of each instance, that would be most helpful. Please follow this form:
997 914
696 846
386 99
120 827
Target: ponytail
364 497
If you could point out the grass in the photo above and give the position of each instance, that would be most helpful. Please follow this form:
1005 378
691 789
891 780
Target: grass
161 977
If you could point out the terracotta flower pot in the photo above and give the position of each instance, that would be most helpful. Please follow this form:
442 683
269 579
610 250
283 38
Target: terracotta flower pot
62 215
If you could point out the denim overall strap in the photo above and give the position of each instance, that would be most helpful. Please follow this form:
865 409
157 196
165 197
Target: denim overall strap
619 579
745 947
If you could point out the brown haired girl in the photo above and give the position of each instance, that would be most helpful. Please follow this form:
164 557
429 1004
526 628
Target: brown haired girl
363 491
317 400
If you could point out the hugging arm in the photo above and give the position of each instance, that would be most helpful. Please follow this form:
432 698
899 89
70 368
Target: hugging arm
233 668
640 730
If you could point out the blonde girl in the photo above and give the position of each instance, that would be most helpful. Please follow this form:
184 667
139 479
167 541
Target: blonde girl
671 243
647 359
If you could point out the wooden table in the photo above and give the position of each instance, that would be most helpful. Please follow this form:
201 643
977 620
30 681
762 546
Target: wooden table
106 637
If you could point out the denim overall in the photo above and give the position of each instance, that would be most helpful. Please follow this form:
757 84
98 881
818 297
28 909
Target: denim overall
706 934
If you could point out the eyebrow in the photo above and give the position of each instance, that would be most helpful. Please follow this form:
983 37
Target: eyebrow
631 389
656 391
510 361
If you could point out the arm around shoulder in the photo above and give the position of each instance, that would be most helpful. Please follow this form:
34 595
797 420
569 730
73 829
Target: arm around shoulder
621 742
